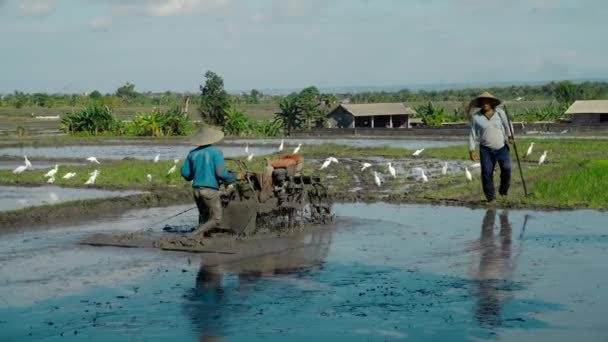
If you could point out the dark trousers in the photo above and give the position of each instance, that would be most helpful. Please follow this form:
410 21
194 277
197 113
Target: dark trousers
488 159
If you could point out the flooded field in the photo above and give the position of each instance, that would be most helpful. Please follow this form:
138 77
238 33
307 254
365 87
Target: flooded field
230 148
382 272
117 152
399 143
14 197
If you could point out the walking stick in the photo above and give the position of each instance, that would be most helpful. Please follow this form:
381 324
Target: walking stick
521 172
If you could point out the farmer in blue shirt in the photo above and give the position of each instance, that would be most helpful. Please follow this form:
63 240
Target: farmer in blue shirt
490 129
204 166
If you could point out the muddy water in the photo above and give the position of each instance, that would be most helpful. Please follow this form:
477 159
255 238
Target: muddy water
382 273
167 152
13 197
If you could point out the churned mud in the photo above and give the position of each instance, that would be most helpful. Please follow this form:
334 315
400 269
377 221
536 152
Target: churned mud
382 272
87 210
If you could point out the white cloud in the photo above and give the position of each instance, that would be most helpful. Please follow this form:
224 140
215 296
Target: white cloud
36 7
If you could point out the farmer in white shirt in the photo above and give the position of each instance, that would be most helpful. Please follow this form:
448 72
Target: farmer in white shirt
490 129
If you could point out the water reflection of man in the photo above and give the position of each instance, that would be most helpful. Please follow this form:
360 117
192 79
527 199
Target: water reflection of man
210 301
205 305
495 266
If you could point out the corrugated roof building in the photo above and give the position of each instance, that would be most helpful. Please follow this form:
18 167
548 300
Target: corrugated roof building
589 111
371 115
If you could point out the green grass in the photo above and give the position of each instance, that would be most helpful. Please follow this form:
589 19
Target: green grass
575 174
585 185
118 174
559 150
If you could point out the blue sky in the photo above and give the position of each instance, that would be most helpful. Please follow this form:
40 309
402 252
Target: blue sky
81 45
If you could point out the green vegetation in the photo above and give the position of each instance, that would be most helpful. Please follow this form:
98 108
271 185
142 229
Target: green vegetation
305 110
573 176
92 120
582 185
237 124
214 100
563 92
102 121
172 122
115 174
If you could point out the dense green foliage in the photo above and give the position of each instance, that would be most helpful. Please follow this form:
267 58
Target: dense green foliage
91 120
101 120
238 124
305 110
214 100
172 122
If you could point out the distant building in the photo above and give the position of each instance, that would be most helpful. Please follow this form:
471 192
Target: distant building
591 111
371 115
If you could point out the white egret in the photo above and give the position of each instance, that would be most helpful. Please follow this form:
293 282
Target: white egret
247 149
444 169
333 160
69 175
149 176
157 158
542 158
51 180
28 164
297 149
52 172
365 166
250 157
325 164
377 179
468 173
529 151
391 170
476 165
93 160
564 131
172 169
93 177
282 145
423 176
417 152
20 169
175 161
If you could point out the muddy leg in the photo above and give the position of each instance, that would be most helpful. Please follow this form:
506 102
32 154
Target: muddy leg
203 213
210 200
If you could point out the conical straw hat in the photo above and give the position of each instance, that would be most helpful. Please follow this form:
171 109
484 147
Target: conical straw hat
485 95
206 136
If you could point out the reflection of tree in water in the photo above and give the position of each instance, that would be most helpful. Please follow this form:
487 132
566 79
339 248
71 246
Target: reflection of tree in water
211 303
494 270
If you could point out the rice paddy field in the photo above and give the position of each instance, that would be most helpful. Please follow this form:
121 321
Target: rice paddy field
403 260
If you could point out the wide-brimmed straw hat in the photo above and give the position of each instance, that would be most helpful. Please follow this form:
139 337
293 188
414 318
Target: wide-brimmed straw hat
206 136
476 102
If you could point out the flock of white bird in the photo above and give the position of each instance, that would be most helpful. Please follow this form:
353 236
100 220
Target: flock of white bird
52 173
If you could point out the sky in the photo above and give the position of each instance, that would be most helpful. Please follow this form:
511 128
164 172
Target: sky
84 45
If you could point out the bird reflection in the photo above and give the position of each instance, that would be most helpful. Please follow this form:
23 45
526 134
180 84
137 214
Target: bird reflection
494 269
223 286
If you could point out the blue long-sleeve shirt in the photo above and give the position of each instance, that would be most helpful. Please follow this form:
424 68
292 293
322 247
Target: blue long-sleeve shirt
204 166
